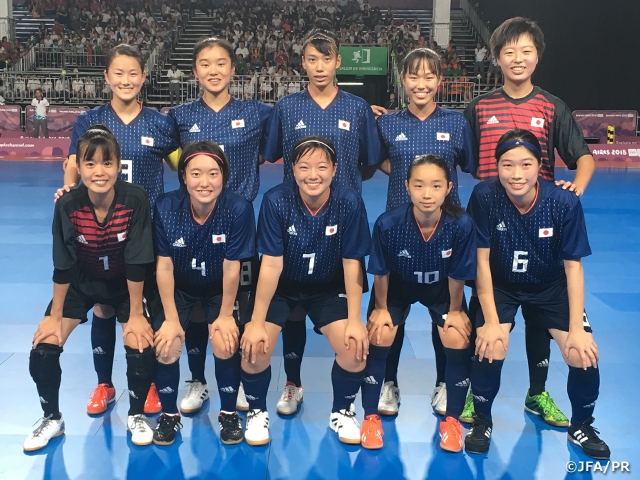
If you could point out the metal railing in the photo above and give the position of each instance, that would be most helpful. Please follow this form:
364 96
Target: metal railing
476 21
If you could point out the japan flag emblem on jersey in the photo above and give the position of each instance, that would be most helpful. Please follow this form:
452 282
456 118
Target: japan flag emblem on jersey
344 125
537 122
443 137
331 230
218 238
147 141
545 232
122 236
237 123
446 253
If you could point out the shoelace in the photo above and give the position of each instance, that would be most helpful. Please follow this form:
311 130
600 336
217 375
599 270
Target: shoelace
387 397
374 427
549 407
102 387
232 421
139 423
46 421
251 416
289 392
590 429
194 386
172 420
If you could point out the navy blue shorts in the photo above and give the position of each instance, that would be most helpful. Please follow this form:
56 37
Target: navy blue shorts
249 269
546 305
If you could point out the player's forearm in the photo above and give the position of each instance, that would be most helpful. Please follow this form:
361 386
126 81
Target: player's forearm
353 286
166 289
230 281
135 298
59 294
381 289
584 172
270 271
71 175
484 286
575 290
456 292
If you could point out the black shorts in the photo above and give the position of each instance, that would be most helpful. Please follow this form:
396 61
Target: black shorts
546 305
494 69
249 269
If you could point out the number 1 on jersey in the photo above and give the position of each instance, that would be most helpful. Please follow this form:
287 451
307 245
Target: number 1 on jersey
312 261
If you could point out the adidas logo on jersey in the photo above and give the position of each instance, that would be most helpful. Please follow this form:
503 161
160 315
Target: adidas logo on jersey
227 390
463 383
493 121
404 253
179 243
166 390
370 380
99 351
480 398
501 227
300 125
292 230
81 239
544 363
194 129
194 351
291 356
401 137
250 397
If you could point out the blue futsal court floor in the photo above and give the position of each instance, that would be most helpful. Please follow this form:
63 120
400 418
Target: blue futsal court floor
303 447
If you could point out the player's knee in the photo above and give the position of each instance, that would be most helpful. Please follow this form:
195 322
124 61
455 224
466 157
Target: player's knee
175 351
262 361
386 337
103 311
219 348
454 340
347 358
573 360
44 362
131 341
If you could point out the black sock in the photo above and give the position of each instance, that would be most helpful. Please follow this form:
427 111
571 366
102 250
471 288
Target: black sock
485 383
256 386
44 367
538 343
393 358
228 378
294 339
196 339
583 387
103 344
441 356
167 383
140 374
345 386
373 378
457 379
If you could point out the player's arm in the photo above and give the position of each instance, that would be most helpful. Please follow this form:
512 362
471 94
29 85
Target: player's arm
584 172
171 328
353 286
379 317
71 175
456 317
226 323
138 325
491 332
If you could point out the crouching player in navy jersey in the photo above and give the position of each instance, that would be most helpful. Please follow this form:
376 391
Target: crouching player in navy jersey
102 249
313 235
531 238
203 230
422 251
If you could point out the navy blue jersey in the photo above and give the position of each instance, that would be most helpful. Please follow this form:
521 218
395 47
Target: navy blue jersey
530 247
197 251
239 130
313 246
404 136
398 247
348 122
144 143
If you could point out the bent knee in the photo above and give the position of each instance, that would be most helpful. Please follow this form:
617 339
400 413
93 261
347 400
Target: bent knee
453 339
175 351
387 337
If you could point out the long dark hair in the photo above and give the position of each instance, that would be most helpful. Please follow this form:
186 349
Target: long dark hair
515 138
322 38
98 137
204 147
448 206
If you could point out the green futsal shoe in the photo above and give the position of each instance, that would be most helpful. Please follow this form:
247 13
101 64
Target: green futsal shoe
544 406
468 410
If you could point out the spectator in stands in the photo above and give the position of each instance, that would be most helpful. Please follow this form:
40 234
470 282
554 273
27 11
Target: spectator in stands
77 88
41 106
89 88
478 65
47 88
494 69
19 87
241 65
242 50
175 79
62 87
392 104
33 84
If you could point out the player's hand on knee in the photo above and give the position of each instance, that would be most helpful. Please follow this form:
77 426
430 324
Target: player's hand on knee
226 325
166 335
378 319
572 187
139 327
61 191
49 327
459 321
490 338
356 331
582 342
254 334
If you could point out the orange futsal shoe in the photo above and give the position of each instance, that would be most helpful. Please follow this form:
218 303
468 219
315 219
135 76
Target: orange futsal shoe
100 399
450 436
152 403
371 433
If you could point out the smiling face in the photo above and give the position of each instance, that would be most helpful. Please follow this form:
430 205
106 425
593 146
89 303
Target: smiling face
518 170
125 77
421 86
428 188
214 69
203 179
518 59
313 173
99 171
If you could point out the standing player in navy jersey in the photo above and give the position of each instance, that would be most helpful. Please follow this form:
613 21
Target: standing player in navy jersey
313 235
145 137
203 231
237 126
517 45
346 120
421 128
531 239
422 251
102 248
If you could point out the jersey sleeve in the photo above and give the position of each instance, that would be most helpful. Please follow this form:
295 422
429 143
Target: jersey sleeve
242 243
139 249
369 140
80 126
479 212
464 251
567 136
270 237
65 260
575 243
466 157
162 242
356 239
471 115
272 150
171 131
377 264
384 151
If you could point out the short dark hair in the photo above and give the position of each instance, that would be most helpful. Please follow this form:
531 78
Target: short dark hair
322 38
515 138
98 137
212 42
412 62
511 30
448 206
206 147
126 50
314 142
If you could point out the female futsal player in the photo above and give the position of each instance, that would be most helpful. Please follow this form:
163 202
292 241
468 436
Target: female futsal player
422 251
421 128
102 249
203 230
145 137
531 239
237 126
313 235
346 120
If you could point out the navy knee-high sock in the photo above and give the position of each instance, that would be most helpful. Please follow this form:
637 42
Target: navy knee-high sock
228 379
457 377
538 343
44 367
441 356
373 378
583 387
485 383
167 383
196 340
345 386
256 386
103 344
294 339
393 358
